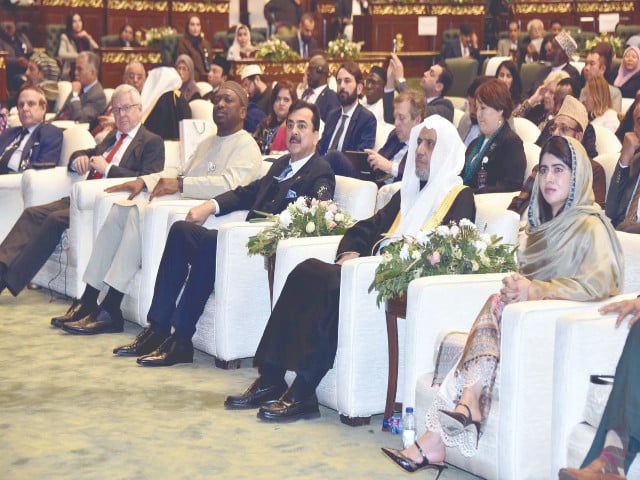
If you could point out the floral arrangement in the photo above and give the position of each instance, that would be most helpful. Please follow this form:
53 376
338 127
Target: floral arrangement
276 50
154 35
343 49
617 44
456 249
302 218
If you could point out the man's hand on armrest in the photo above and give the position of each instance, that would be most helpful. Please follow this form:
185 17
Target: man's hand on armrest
134 187
200 213
81 164
165 186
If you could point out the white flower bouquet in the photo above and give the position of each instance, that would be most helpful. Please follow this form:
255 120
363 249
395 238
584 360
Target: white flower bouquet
275 50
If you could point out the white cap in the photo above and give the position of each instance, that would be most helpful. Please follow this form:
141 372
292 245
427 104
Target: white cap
250 70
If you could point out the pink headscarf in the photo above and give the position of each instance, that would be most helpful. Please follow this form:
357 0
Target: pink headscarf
624 75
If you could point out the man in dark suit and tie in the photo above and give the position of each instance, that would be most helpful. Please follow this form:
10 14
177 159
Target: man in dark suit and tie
351 127
129 151
465 46
317 90
391 158
623 194
303 42
302 172
435 82
86 100
35 144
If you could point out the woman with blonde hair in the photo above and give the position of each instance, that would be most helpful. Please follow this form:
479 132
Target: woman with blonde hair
597 99
539 107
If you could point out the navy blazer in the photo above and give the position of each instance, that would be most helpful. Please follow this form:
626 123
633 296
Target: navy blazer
327 101
390 148
42 149
314 180
361 132
144 155
294 44
453 49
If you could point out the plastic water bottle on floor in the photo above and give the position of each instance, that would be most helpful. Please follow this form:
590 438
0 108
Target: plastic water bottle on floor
408 428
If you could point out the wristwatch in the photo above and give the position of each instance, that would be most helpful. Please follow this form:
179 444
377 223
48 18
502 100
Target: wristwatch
180 182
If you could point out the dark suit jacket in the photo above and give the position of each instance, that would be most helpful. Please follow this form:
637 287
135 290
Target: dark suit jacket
453 49
144 155
389 149
42 148
621 188
294 44
361 132
505 166
314 180
327 101
164 119
92 104
438 106
363 236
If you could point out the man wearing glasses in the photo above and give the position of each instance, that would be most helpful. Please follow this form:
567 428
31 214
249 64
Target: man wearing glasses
571 121
130 151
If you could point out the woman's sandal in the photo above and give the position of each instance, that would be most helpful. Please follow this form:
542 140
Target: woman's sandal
409 465
456 423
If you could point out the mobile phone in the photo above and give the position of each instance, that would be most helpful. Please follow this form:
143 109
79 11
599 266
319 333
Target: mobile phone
393 46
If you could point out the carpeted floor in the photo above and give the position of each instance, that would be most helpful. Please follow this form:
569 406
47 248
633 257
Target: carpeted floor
70 410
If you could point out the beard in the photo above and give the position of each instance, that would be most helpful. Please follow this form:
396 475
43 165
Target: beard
347 99
423 175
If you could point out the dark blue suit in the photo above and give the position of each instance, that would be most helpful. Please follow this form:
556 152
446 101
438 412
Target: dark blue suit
361 132
42 149
191 244
392 146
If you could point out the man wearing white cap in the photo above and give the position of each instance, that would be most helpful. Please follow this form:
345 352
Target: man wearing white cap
562 47
258 91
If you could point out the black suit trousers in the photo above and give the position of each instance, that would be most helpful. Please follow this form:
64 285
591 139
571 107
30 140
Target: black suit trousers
187 245
31 241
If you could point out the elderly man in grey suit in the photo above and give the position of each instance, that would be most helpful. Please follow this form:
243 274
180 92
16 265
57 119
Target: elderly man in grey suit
86 100
220 163
127 152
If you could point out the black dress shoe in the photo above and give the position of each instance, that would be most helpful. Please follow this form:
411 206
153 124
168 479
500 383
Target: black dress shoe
167 354
145 343
76 312
100 321
289 409
255 396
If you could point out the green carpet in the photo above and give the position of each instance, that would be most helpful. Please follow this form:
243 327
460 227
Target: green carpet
70 410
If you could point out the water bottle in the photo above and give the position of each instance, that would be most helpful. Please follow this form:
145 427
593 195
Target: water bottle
408 428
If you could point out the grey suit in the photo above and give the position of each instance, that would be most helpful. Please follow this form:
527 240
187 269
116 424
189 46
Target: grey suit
92 104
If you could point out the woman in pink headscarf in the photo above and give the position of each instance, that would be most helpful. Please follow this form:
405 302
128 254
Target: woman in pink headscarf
628 79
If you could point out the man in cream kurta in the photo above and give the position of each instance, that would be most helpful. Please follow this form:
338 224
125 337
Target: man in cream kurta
220 163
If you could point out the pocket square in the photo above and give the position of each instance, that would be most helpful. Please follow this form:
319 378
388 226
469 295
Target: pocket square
291 194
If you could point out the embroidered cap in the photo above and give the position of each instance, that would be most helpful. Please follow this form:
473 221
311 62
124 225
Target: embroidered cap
46 65
572 108
566 42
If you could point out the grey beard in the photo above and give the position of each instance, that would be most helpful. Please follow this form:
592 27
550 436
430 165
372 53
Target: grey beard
423 175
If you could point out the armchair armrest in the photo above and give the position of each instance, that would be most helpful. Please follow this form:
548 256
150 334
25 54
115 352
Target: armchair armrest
11 201
587 343
44 186
293 251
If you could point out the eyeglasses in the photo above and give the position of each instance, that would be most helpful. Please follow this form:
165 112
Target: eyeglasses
562 128
124 109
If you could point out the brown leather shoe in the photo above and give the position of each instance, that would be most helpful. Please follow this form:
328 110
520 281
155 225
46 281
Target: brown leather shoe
289 409
76 311
167 354
145 343
100 321
255 396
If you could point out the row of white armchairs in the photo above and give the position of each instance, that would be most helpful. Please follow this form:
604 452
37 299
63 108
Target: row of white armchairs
525 434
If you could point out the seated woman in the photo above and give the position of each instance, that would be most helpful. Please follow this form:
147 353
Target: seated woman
597 99
271 132
508 73
126 38
241 48
189 89
74 40
616 443
197 47
628 79
495 161
572 253
539 107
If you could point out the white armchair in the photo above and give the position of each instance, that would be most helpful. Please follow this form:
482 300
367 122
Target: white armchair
357 384
518 440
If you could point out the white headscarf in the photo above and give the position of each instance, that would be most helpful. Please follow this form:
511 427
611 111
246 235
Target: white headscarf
159 81
447 160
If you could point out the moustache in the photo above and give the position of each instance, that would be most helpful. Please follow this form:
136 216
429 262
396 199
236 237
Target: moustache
294 139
